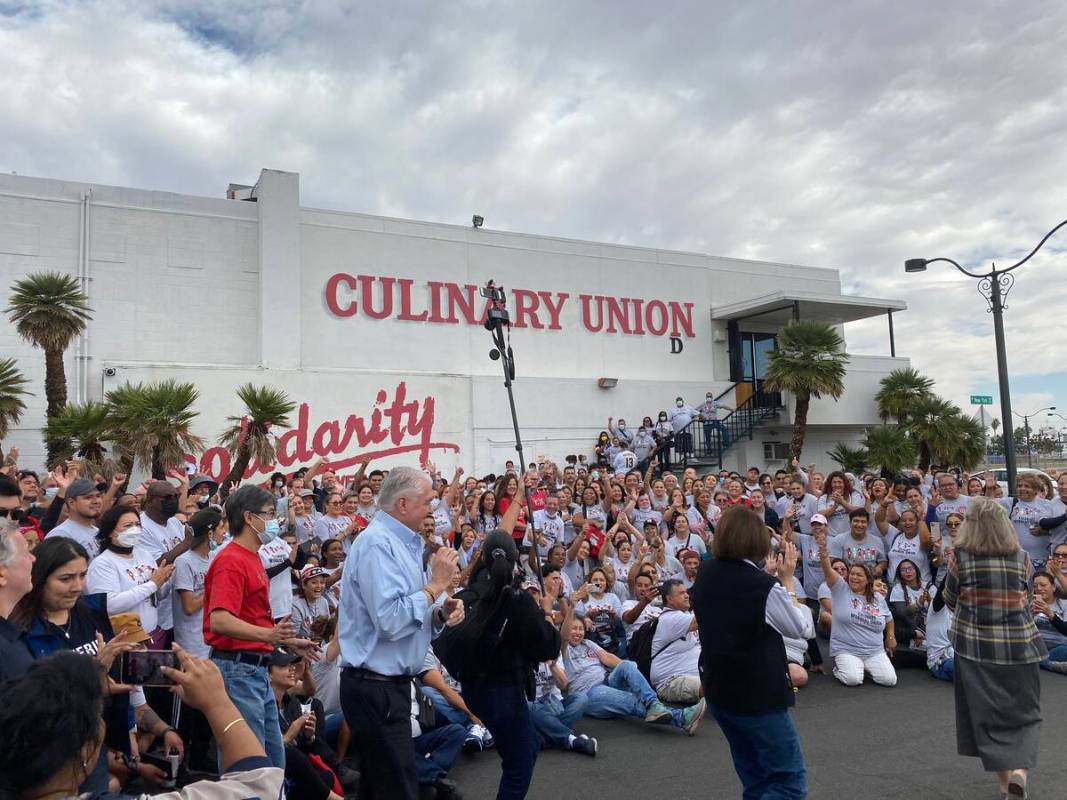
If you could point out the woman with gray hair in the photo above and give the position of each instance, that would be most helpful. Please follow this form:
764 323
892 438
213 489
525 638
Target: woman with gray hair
998 647
16 565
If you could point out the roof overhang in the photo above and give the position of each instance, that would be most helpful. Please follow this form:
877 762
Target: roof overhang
779 308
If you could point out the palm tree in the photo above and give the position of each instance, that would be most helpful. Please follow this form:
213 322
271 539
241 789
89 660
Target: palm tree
890 447
808 362
248 438
12 389
49 310
80 431
931 426
965 443
900 390
851 459
152 423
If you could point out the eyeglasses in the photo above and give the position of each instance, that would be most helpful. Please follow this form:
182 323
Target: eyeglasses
16 514
1059 555
952 524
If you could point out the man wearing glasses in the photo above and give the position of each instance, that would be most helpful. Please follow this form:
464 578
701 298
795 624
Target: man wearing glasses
238 626
950 502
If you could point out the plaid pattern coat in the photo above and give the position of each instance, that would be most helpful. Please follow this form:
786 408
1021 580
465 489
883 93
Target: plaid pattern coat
990 595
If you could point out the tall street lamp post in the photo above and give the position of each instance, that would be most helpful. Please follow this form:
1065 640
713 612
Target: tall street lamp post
994 287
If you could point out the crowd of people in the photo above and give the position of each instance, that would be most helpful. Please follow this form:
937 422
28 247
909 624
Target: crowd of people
252 587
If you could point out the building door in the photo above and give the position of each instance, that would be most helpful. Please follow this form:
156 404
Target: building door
755 352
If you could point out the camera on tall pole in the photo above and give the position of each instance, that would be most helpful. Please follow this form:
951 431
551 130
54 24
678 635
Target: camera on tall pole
497 322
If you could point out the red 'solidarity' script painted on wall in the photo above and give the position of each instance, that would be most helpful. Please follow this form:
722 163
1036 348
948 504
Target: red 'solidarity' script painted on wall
443 303
391 428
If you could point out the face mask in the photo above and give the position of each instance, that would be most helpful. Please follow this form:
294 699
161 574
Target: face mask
279 484
51 491
642 431
679 403
169 506
128 538
270 532
622 426
211 548
662 417
202 502
709 398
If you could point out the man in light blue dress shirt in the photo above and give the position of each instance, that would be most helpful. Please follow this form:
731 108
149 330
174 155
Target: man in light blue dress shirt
388 615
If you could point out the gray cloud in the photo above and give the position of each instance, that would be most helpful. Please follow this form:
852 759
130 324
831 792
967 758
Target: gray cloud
850 135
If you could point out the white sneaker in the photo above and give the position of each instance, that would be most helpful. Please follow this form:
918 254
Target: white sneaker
475 738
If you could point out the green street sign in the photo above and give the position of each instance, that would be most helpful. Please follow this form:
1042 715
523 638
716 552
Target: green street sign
981 400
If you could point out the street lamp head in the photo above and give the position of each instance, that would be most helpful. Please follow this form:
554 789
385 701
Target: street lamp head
915 265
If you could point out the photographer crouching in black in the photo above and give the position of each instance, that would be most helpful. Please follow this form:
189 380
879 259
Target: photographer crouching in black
495 654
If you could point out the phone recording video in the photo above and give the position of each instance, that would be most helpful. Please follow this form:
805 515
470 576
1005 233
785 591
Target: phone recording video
142 667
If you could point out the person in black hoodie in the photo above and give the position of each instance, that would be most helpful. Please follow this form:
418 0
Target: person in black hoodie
742 614
526 638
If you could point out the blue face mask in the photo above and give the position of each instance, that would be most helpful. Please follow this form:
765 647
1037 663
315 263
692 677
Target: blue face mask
271 531
213 546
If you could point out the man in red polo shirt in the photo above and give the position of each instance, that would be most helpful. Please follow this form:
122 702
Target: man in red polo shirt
238 626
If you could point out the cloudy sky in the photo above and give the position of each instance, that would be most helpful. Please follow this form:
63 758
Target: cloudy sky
847 134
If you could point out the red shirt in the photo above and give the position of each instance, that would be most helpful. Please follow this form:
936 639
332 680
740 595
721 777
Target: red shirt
237 582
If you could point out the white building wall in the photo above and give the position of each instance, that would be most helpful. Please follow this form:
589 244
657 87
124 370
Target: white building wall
224 292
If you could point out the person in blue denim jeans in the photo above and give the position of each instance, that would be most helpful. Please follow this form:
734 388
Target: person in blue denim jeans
239 627
616 688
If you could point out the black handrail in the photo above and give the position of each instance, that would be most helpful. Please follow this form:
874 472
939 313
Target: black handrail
707 440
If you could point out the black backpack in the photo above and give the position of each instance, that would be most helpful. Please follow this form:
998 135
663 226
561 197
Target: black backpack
639 649
466 650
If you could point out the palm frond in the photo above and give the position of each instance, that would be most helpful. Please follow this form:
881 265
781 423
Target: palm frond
851 459
12 389
808 361
890 447
79 431
48 309
900 391
153 422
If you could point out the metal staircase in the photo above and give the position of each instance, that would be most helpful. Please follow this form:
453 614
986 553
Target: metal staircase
708 441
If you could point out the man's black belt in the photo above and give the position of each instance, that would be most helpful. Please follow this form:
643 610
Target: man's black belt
256 659
370 675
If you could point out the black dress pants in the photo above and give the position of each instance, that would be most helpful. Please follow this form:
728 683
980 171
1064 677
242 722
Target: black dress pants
378 714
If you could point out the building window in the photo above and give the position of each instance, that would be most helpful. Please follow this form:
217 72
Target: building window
775 451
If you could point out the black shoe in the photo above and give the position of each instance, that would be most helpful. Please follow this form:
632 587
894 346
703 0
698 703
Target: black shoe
447 789
584 744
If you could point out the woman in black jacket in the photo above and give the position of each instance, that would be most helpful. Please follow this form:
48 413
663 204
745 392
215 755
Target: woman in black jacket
524 637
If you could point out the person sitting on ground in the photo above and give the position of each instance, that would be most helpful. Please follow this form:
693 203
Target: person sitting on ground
310 764
553 714
620 692
909 602
51 734
602 611
940 655
1050 617
860 619
675 671
645 607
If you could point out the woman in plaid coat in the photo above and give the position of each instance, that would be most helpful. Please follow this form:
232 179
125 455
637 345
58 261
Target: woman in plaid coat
998 647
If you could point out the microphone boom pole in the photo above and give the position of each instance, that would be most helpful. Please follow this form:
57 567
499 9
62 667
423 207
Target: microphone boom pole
496 322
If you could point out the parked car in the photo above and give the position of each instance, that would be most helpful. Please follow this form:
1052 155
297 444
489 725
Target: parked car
1001 474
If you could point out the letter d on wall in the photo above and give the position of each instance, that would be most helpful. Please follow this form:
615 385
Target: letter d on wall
676 345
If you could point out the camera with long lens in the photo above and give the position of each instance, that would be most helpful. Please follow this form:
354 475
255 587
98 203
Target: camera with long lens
498 314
